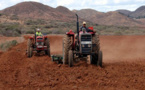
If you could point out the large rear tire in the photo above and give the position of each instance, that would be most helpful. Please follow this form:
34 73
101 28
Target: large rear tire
70 58
47 52
96 49
66 48
29 49
96 43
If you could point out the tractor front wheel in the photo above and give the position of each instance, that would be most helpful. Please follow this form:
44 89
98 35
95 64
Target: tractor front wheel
100 57
94 59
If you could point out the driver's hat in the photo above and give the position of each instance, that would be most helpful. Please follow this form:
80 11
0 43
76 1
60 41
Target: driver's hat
38 29
84 23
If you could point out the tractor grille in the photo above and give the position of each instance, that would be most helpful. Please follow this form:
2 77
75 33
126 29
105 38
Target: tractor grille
40 43
86 43
86 38
86 50
39 38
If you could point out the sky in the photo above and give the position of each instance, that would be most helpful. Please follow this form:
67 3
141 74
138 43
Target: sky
99 5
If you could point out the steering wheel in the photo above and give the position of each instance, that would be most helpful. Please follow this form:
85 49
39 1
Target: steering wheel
84 29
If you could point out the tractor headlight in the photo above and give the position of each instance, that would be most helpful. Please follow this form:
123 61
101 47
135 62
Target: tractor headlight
89 45
42 43
37 43
83 45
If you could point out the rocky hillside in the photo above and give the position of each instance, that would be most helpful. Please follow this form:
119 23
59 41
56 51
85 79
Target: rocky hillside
39 11
138 13
124 12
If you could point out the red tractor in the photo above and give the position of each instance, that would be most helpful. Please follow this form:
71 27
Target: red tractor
38 44
82 45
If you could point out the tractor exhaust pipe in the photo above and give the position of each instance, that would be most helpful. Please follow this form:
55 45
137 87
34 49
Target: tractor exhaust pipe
77 25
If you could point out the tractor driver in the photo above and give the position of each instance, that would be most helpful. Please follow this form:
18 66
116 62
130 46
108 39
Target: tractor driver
84 26
38 33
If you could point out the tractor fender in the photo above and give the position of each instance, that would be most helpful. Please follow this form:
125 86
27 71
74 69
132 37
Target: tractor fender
70 33
45 37
31 37
92 33
91 28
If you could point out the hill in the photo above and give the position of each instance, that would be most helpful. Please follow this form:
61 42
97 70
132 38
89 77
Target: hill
125 12
110 18
36 10
138 13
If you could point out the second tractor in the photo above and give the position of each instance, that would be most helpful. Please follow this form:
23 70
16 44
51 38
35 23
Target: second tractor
38 44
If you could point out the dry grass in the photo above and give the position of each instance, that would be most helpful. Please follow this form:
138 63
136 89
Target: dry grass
8 42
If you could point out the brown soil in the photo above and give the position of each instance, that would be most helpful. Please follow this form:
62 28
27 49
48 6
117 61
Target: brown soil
124 67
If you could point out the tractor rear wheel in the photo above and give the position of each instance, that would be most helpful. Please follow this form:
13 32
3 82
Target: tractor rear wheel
96 49
66 48
70 58
47 52
29 49
96 43
100 57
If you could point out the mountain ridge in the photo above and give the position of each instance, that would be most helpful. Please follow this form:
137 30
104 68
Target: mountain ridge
35 10
138 13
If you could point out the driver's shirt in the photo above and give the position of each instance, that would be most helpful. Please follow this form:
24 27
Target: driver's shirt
38 34
87 30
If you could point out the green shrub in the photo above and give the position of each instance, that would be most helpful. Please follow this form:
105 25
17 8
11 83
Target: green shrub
10 29
118 33
14 42
30 32
35 22
14 17
0 14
